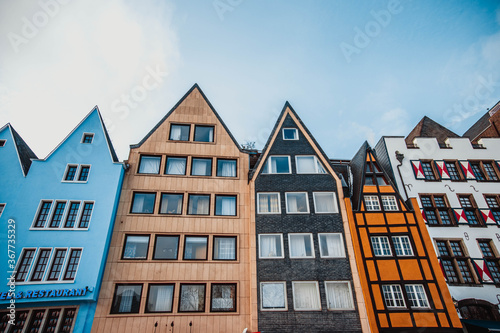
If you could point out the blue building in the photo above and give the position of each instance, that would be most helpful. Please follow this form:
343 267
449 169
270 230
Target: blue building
57 219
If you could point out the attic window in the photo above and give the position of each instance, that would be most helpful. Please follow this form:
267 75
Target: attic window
290 134
2 143
88 137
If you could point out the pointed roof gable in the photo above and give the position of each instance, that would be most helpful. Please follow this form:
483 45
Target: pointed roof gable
24 152
482 124
190 91
428 128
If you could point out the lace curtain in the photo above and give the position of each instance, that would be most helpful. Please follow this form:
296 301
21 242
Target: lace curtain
176 166
150 164
339 296
306 296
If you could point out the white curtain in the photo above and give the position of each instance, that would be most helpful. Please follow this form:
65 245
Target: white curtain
333 245
268 203
227 206
339 296
150 164
268 246
306 164
298 245
175 133
211 135
225 248
139 200
127 297
201 167
227 168
171 204
198 205
273 295
163 298
176 166
324 202
306 296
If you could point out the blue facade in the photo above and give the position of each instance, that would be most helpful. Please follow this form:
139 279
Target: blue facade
63 209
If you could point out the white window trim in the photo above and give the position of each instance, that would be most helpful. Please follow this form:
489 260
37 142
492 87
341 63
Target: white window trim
285 295
53 211
335 203
281 244
418 300
307 203
389 197
350 293
65 214
30 268
341 243
77 173
51 261
258 200
392 296
66 263
49 214
371 197
87 133
312 245
317 290
289 128
397 239
316 162
377 240
266 168
35 261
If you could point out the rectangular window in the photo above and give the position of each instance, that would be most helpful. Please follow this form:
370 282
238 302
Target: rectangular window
270 246
339 295
87 137
308 164
171 204
374 175
471 212
273 296
226 168
192 298
179 132
57 215
136 247
277 164
41 264
402 245
389 202
24 264
70 172
203 133
143 203
306 296
453 170
491 258
437 210
166 247
67 319
493 202
224 248
268 203
201 167
372 203
127 298
331 245
57 264
43 214
52 320
301 245
175 166
86 213
223 298
72 214
325 202
84 173
428 170
381 246
297 203
490 171
290 134
160 298
393 296
225 205
195 248
199 204
72 266
34 324
150 164
456 265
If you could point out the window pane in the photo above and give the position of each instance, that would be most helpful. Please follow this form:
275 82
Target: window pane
223 298
84 173
325 202
127 299
389 202
273 295
268 203
175 166
43 214
381 246
270 246
393 296
338 295
195 248
41 264
192 298
225 205
416 296
226 168
309 164
86 213
150 164
331 245
224 248
306 296
179 132
171 204
199 204
204 133
57 265
57 215
301 246
87 138
277 164
72 266
402 246
296 203
70 173
201 167
160 298
290 134
166 247
371 202
143 203
24 266
136 247
72 215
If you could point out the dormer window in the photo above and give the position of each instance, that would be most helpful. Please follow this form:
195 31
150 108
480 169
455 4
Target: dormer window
88 137
290 134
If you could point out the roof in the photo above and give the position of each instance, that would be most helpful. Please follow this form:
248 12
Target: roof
23 151
428 128
482 124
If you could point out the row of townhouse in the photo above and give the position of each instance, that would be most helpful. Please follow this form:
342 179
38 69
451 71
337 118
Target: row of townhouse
192 233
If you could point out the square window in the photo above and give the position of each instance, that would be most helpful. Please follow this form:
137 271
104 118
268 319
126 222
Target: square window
290 134
393 296
72 266
270 246
203 133
372 203
301 245
389 202
225 205
223 298
306 296
277 164
297 203
70 173
171 204
175 166
199 204
195 247
160 298
416 296
226 168
166 247
224 248
127 298
273 296
381 246
143 203
309 164
201 167
331 245
192 298
179 132
150 164
84 173
87 138
339 295
402 245
325 202
136 247
268 203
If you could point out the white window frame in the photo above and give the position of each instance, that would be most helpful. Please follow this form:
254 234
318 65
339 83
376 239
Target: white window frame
35 262
393 293
30 268
350 294
341 244
85 134
290 247
316 164
295 136
335 203
283 283
294 283
49 214
369 200
378 240
389 202
77 173
286 202
66 263
421 303
268 193
398 240
266 169
51 262
280 244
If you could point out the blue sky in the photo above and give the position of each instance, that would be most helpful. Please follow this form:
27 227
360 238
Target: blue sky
353 70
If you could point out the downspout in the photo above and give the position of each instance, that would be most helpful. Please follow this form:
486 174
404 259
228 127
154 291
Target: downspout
400 157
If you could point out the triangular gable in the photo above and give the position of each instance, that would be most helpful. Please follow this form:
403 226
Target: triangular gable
24 153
